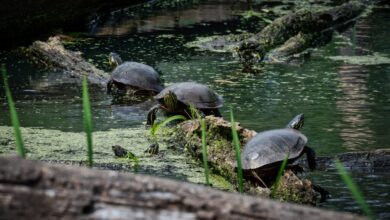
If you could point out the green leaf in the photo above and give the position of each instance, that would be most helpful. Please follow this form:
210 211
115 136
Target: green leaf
157 126
204 151
354 189
280 173
238 152
14 116
87 121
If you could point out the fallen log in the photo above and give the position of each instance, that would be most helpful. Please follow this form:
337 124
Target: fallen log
310 25
367 161
34 190
221 159
52 52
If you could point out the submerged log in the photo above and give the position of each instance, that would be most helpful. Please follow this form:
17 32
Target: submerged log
367 161
52 52
310 25
34 190
222 160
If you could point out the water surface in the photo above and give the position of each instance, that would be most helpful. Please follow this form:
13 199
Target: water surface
346 105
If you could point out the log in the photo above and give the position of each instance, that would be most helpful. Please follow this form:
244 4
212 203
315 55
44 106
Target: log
304 22
52 52
34 190
222 160
367 161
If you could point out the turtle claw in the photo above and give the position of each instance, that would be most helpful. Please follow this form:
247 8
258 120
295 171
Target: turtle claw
153 148
109 86
152 114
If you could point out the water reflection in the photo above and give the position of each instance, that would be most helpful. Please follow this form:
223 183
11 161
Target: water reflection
122 23
354 104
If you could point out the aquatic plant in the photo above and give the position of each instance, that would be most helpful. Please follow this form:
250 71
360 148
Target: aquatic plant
13 114
354 189
195 115
134 159
238 152
278 176
156 126
87 121
204 150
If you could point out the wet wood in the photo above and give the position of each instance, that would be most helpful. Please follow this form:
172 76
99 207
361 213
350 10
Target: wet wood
308 25
34 190
53 53
366 161
222 159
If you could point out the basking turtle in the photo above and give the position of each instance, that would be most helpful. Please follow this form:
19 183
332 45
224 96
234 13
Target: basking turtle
132 77
264 153
177 98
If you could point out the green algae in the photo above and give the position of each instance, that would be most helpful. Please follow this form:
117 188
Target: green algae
218 43
70 147
374 59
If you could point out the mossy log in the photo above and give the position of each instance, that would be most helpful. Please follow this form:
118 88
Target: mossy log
297 31
53 53
222 160
34 190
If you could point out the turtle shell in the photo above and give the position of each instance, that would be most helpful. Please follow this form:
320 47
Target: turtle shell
199 95
137 75
271 147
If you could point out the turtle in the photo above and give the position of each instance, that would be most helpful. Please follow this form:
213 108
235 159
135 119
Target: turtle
179 97
132 78
265 152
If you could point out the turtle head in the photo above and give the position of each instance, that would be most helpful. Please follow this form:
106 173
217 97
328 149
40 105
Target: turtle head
170 100
114 59
297 122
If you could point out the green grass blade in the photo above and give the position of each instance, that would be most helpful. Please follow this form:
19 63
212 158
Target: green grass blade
157 126
194 112
14 116
238 152
204 151
353 188
87 121
279 175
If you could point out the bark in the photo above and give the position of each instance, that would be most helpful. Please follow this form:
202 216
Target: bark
368 161
285 29
222 159
52 52
34 190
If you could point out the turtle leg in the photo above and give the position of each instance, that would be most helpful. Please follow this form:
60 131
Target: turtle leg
152 149
311 157
109 86
216 113
152 114
325 194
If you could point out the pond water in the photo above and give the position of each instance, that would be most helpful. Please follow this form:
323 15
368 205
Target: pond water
346 103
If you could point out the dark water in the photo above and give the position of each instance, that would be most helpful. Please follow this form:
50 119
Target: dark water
346 106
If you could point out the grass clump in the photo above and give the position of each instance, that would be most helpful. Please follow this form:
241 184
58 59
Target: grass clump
13 114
